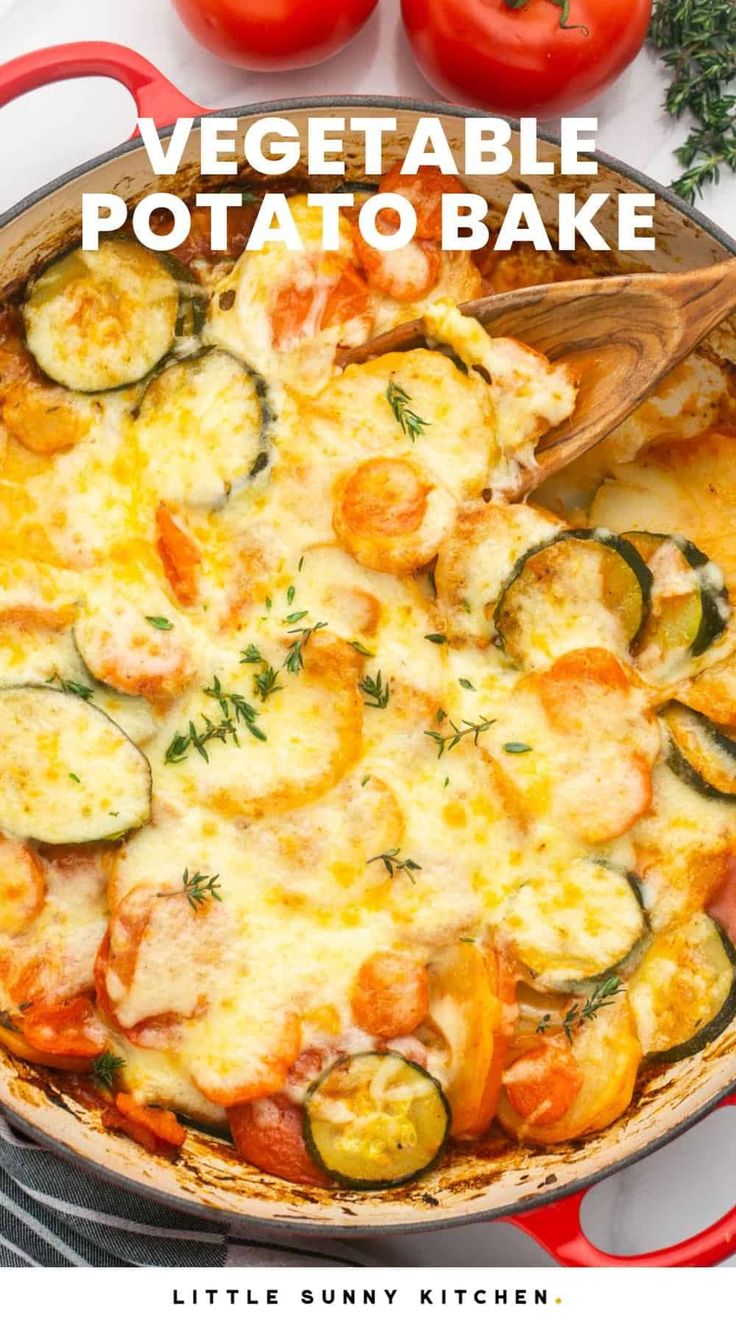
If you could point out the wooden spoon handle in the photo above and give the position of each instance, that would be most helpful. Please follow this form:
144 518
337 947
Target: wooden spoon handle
704 297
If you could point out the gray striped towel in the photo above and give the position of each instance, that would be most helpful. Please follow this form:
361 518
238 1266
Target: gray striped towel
53 1214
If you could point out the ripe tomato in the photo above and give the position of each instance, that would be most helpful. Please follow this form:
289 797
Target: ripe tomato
525 57
274 34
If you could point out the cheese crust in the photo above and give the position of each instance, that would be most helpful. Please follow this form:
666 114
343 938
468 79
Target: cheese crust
250 610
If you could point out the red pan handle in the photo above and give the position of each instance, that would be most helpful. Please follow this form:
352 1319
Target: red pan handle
557 1228
154 95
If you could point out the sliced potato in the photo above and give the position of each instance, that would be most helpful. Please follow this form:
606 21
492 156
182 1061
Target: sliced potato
684 487
294 750
608 1054
465 1010
478 557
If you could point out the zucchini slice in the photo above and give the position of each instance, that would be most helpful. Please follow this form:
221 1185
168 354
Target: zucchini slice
684 992
204 425
583 587
375 1120
68 774
700 753
100 320
689 599
582 922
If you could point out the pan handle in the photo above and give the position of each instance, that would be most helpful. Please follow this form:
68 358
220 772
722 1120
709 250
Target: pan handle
557 1228
155 97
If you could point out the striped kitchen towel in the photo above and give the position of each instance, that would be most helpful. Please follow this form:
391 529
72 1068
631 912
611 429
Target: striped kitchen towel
53 1214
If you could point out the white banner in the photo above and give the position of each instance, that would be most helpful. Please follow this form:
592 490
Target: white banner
362 1296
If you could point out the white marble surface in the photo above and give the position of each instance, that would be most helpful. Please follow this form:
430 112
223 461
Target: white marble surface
682 1188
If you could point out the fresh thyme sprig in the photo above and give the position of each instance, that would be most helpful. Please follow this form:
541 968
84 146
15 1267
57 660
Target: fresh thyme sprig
393 864
104 1069
457 733
70 686
580 1012
265 682
197 888
234 709
378 693
696 40
410 423
294 660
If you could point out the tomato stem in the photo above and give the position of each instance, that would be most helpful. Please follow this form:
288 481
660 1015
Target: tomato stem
564 8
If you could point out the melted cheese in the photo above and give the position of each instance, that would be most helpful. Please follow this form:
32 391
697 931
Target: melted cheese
391 783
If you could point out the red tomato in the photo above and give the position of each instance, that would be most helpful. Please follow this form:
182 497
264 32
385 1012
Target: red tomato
518 58
274 34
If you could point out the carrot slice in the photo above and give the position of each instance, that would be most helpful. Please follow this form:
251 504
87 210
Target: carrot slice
161 1122
543 1084
576 678
179 554
390 996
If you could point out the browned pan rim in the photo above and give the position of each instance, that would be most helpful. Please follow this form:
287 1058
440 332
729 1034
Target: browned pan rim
232 1220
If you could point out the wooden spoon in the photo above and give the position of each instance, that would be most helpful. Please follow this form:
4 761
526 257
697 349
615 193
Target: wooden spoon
623 334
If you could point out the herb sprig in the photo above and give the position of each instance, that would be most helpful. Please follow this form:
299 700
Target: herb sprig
410 423
294 660
378 693
394 864
104 1069
234 710
581 1012
457 733
70 686
198 888
696 41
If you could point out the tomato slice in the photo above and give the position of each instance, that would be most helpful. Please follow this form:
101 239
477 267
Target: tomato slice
424 191
268 1133
304 309
349 298
71 1028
